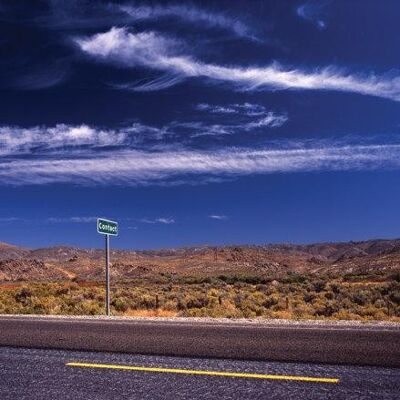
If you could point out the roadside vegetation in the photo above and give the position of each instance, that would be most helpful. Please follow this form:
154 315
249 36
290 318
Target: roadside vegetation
351 297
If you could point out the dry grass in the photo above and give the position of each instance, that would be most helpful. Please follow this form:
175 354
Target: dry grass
289 297
150 313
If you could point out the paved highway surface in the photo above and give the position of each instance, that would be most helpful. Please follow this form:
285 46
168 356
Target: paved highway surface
327 343
45 374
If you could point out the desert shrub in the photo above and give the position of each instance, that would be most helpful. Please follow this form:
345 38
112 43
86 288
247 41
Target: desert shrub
63 290
329 295
249 279
395 276
180 305
195 312
372 312
379 303
120 304
335 288
196 280
254 280
100 298
309 297
170 305
396 311
301 311
360 298
199 301
251 306
262 288
89 295
238 298
294 297
74 286
295 278
22 295
271 301
225 278
384 290
327 310
355 277
395 297
319 286
345 315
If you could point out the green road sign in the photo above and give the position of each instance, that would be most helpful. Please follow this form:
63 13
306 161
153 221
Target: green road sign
106 227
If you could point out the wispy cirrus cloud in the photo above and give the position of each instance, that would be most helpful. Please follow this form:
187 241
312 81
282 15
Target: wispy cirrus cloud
41 76
314 11
151 84
138 167
218 217
247 109
37 139
9 219
188 14
59 138
50 220
34 72
161 220
270 119
265 119
87 14
217 109
76 220
154 51
195 129
25 140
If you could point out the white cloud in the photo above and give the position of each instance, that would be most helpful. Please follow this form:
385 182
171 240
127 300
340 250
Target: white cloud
269 119
150 50
131 49
314 12
161 220
218 217
134 167
151 85
61 138
16 140
197 129
188 14
77 220
247 109
216 109
89 14
9 219
42 76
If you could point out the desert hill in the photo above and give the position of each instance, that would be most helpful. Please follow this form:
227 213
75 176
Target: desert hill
65 262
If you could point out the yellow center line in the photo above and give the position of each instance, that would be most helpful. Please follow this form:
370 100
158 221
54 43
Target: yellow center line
206 373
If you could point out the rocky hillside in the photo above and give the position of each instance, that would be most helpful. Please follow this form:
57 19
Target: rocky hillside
64 263
8 251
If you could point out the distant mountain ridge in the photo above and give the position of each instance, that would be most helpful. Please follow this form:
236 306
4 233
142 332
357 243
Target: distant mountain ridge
67 262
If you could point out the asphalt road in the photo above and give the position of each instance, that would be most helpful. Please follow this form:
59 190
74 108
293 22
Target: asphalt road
335 344
44 374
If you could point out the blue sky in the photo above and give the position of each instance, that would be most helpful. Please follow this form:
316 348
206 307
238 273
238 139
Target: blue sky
199 122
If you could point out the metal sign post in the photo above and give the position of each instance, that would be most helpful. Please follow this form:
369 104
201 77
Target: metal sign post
107 237
107 228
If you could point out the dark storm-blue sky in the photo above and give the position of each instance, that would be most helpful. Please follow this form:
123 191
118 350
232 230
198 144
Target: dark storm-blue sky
199 122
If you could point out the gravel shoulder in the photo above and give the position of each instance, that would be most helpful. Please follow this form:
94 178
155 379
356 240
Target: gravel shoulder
219 321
